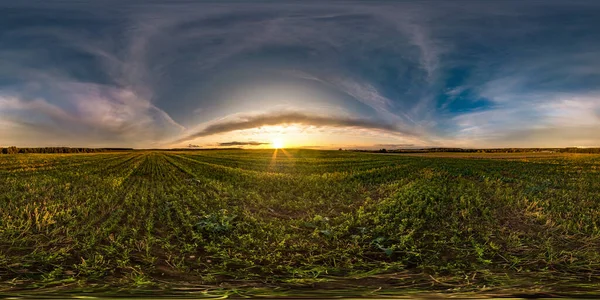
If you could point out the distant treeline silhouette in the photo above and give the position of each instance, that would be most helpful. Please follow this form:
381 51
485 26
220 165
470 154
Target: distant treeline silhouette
16 150
494 150
194 149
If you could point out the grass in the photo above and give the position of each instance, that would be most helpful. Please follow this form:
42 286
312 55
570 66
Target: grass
251 222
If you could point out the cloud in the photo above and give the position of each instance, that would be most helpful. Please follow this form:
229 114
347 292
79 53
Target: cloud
458 72
362 92
540 120
241 122
395 145
90 115
251 143
204 40
78 89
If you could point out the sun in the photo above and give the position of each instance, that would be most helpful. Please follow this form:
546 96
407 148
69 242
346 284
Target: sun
277 143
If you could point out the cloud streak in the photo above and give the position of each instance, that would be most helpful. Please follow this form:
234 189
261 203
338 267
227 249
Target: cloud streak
288 118
251 143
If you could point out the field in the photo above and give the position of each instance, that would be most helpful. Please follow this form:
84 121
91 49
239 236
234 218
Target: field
249 221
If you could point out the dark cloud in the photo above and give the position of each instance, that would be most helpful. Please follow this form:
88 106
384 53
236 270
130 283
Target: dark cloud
225 144
280 118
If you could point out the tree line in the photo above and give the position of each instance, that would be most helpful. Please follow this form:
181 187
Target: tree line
489 150
16 150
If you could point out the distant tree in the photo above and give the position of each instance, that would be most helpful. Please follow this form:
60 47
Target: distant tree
13 150
382 150
340 149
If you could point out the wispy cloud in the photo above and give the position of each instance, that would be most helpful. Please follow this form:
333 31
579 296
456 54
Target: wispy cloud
83 91
478 74
95 115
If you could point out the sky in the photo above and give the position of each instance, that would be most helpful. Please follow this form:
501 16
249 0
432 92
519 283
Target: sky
315 74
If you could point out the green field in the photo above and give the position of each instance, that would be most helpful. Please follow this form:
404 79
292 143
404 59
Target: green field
245 220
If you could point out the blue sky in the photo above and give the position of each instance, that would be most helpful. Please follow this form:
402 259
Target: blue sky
336 74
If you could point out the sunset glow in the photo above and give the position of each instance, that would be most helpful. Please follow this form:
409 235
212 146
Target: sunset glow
278 143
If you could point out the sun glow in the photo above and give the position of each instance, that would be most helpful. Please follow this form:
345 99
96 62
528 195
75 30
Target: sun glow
277 143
